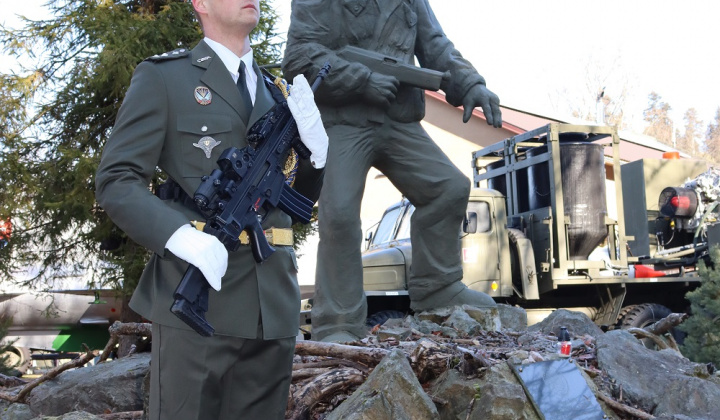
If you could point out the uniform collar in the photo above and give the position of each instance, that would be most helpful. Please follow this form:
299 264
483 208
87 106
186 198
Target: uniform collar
232 63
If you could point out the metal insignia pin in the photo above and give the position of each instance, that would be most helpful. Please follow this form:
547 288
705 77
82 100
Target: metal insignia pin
206 144
203 96
200 60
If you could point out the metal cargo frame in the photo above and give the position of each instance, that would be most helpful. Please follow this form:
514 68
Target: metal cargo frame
555 268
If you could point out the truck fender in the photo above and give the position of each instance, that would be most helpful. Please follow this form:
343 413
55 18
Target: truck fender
523 265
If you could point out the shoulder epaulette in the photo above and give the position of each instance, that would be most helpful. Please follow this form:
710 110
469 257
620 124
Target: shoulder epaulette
171 55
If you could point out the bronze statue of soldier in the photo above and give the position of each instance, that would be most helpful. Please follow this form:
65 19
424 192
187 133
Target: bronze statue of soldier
372 117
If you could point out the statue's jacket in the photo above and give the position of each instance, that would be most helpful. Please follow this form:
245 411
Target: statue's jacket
174 100
402 29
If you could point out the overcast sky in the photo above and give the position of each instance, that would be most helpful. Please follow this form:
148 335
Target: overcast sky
536 54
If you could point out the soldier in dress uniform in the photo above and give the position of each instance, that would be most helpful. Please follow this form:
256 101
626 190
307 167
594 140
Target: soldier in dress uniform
373 120
182 109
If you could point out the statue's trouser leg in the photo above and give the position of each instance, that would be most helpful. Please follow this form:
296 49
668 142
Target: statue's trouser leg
339 302
439 191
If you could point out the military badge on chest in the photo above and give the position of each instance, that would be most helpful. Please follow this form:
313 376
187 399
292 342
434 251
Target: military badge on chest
207 144
203 96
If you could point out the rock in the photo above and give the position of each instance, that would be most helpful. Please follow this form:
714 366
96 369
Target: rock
662 383
461 321
391 391
466 320
501 397
15 411
577 323
113 386
457 391
398 333
513 318
497 395
488 318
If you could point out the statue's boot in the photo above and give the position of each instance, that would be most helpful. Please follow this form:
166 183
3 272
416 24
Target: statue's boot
456 293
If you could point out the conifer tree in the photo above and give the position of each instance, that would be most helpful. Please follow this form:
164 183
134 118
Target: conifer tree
657 115
712 139
702 343
56 113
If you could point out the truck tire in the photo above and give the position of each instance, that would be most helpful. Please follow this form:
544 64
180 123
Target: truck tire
18 358
379 318
640 316
621 316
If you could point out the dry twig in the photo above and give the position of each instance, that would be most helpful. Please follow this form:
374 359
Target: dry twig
642 333
625 408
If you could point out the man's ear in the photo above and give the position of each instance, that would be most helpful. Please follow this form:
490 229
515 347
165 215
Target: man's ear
199 6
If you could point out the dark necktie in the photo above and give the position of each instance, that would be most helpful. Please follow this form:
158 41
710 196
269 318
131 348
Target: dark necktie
244 93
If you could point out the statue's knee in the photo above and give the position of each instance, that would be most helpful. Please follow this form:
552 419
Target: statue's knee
457 191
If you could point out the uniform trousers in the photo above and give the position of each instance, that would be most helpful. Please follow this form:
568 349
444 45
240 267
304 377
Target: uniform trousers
422 172
220 377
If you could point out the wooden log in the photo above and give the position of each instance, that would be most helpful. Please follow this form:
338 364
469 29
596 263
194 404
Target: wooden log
302 374
323 388
129 328
369 356
666 324
331 363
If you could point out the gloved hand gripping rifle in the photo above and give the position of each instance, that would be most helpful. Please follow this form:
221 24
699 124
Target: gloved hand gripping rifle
231 197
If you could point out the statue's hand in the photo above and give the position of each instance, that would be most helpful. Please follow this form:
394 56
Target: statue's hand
381 89
480 96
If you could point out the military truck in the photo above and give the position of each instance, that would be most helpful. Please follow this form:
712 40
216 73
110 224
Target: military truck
542 232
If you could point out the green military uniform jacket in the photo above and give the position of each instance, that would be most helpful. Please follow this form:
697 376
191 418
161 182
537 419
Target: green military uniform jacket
158 124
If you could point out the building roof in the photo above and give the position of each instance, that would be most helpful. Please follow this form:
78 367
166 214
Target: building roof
633 146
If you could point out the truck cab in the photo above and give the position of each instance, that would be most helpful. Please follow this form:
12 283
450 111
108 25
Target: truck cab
488 253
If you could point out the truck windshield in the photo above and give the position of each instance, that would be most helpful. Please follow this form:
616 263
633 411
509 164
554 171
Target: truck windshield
404 230
386 228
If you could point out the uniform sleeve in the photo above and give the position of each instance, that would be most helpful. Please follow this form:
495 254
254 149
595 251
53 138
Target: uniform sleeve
309 180
130 159
435 51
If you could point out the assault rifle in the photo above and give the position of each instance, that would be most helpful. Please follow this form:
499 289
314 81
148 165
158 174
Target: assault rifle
231 199
406 73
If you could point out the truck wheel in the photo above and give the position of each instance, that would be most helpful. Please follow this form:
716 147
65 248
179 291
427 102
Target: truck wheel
379 318
18 358
621 316
641 316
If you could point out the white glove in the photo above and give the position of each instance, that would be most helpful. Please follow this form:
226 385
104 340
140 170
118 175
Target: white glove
203 251
307 116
